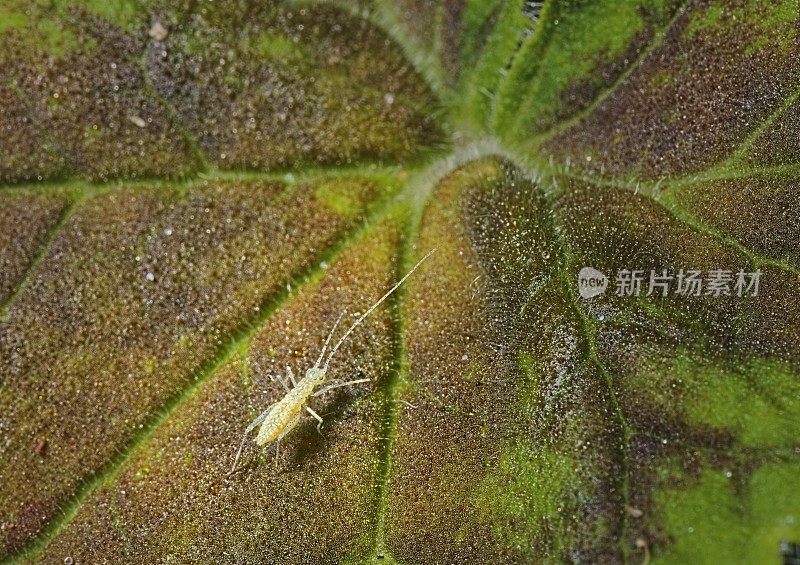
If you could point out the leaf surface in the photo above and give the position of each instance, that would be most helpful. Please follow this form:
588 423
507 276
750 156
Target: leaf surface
193 192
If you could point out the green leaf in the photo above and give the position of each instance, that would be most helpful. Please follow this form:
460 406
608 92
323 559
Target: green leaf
194 192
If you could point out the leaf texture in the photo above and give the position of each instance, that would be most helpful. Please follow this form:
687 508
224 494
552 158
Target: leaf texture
194 191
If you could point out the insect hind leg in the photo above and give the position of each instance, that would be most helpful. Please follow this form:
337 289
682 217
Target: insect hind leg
256 422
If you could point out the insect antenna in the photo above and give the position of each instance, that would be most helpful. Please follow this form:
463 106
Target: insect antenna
371 308
328 340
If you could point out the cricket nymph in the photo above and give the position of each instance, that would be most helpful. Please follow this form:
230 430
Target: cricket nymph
281 417
284 412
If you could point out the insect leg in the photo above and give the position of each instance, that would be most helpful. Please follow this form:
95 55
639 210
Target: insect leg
291 375
280 380
317 417
325 389
260 418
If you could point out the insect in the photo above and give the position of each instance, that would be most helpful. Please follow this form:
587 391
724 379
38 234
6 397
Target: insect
281 417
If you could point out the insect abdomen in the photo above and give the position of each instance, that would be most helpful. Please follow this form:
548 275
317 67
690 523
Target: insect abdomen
272 427
283 413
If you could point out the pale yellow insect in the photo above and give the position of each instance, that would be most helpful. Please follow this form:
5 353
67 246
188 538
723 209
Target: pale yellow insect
281 417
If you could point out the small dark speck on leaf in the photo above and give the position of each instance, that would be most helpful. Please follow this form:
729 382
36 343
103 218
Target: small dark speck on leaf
40 446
